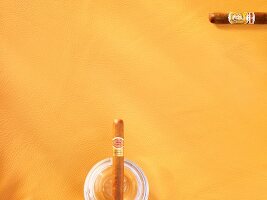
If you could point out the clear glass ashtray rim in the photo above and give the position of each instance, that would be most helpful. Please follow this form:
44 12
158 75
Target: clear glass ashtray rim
143 187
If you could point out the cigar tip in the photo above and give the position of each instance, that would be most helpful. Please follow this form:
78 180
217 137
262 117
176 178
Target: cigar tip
118 121
212 17
118 128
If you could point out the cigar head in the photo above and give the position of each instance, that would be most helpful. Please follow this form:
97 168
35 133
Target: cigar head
219 18
212 17
118 128
118 121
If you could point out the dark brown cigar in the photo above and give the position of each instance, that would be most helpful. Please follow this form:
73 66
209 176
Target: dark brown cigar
238 18
118 160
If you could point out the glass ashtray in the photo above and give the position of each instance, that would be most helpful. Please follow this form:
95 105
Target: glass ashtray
98 183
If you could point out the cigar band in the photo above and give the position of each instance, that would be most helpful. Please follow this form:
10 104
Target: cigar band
118 146
241 18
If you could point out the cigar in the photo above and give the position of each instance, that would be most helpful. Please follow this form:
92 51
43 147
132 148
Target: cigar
238 18
118 160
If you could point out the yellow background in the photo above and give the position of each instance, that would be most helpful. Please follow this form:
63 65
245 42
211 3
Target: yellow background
193 97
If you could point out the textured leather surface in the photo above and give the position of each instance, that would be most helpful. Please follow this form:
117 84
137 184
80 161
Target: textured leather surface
193 97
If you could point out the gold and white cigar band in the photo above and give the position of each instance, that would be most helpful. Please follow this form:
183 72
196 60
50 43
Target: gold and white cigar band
241 18
118 146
